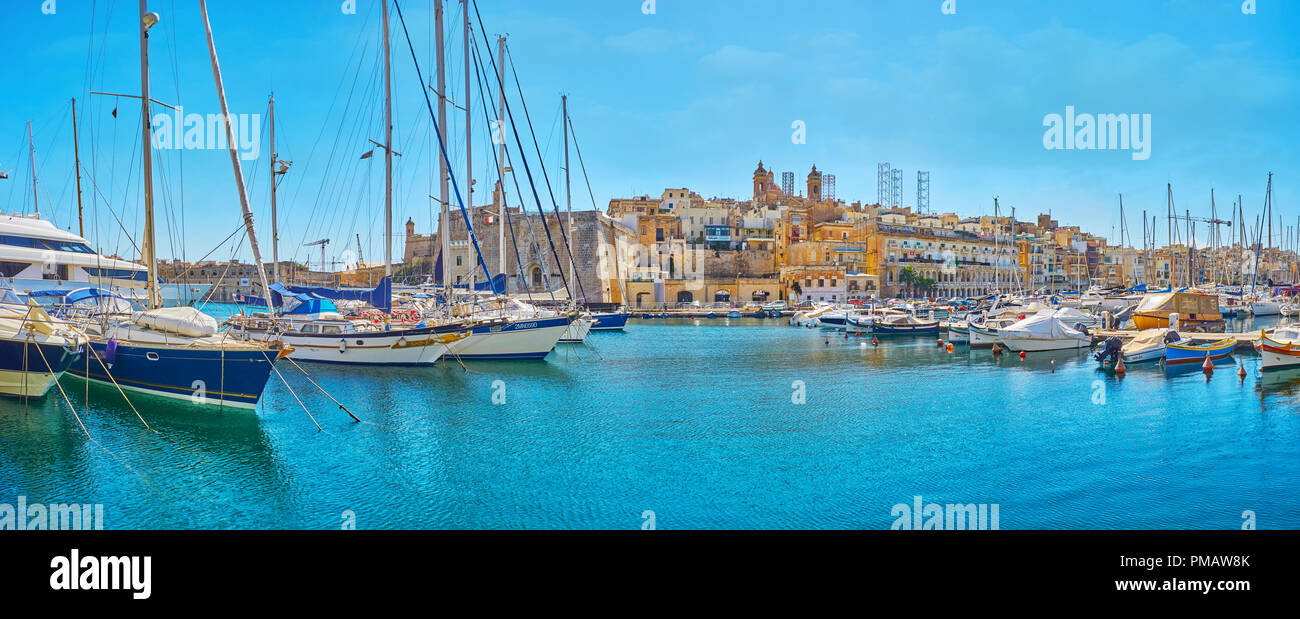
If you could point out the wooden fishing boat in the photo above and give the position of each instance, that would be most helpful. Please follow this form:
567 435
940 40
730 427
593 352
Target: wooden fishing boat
959 332
1186 352
905 325
1280 349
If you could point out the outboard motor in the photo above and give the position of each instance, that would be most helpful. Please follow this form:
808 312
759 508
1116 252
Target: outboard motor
1109 351
1172 337
1082 328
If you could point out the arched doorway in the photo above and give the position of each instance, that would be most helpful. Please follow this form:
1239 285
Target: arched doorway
640 298
535 277
685 296
722 296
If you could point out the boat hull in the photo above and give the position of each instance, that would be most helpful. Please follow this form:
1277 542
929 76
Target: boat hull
577 331
1017 344
1277 355
1144 321
533 339
1176 354
610 322
983 338
958 335
921 329
206 376
1265 308
421 346
34 379
1142 356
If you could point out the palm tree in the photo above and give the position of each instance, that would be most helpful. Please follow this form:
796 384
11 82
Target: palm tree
907 278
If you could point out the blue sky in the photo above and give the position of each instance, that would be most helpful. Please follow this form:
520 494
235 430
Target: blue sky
692 95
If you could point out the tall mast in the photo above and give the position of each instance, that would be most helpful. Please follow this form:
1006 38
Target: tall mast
147 20
388 153
275 230
568 199
76 154
234 157
996 279
36 200
1123 255
444 192
469 136
499 135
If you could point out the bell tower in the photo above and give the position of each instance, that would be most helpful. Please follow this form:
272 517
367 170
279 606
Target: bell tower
760 181
815 185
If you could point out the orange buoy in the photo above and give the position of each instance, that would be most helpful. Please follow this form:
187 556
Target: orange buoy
997 350
874 341
950 348
1119 366
1208 366
1022 355
1241 373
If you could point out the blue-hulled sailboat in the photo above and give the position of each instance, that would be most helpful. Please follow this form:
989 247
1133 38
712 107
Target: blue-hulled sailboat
176 352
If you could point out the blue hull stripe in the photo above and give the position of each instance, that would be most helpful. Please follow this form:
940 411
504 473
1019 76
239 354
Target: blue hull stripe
519 355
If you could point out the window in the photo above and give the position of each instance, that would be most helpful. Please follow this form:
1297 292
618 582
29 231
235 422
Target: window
10 269
330 329
310 329
459 260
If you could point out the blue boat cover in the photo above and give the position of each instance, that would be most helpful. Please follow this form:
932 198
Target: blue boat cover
316 300
497 285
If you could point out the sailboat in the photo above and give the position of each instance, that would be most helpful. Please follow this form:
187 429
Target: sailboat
176 352
34 350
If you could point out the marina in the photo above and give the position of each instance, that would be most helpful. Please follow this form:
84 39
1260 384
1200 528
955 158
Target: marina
653 431
523 354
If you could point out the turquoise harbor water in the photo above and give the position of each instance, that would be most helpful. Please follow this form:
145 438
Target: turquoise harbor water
692 420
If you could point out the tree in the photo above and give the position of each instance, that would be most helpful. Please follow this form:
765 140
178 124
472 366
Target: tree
798 290
907 278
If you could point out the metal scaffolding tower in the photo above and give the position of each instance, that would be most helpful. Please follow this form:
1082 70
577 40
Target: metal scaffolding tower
896 187
882 184
922 192
828 186
787 183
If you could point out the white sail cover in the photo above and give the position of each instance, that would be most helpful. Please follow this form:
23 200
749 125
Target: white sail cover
1044 325
1073 315
179 320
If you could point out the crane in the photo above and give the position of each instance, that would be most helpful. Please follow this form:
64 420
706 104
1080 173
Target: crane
322 243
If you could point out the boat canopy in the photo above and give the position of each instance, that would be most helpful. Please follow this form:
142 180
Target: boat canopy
1182 302
103 300
1150 336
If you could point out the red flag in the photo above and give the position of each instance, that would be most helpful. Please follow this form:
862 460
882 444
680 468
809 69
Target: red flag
115 112
370 153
